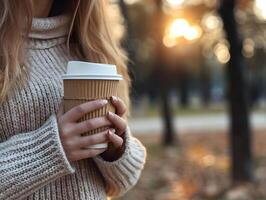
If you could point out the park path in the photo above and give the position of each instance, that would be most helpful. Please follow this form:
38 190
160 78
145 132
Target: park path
196 123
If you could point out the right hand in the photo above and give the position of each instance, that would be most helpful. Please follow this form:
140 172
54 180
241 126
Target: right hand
70 130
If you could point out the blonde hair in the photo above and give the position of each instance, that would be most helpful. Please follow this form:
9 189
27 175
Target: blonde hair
91 30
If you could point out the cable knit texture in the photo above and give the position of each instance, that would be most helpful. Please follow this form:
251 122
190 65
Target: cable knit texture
33 164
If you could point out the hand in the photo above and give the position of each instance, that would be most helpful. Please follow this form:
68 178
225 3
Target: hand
116 135
70 130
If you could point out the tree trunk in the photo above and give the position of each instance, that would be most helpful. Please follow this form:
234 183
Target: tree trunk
184 89
128 43
169 137
129 46
240 133
205 80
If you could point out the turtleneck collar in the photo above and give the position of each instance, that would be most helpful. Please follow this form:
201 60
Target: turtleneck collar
50 27
49 32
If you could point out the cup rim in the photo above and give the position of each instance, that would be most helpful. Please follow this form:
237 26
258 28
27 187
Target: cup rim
92 77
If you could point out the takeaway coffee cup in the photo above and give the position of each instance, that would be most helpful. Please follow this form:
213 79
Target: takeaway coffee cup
85 81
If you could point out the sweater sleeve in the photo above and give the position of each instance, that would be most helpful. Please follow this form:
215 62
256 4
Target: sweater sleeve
122 174
29 161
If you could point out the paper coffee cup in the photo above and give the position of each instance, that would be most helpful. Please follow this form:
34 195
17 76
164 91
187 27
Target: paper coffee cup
85 81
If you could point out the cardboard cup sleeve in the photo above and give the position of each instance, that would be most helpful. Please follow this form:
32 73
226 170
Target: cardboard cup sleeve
78 91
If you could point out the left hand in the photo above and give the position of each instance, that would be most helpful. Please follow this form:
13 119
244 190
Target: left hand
116 138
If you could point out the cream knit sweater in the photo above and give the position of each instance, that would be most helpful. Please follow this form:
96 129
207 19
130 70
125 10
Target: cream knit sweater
33 164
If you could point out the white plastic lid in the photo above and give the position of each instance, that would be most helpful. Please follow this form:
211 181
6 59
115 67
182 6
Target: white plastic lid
88 70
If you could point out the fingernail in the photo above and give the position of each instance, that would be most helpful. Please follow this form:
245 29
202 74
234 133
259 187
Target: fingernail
104 101
110 114
114 98
112 130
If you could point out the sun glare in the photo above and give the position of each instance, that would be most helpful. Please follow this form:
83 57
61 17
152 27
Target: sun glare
180 28
260 9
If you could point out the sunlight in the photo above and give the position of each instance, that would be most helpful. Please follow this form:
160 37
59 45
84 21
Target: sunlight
193 33
260 9
178 28
181 28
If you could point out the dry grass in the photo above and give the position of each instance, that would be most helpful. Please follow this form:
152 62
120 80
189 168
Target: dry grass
197 170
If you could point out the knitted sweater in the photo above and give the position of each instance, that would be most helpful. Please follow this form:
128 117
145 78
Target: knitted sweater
33 164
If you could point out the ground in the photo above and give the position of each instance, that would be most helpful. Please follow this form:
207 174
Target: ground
198 169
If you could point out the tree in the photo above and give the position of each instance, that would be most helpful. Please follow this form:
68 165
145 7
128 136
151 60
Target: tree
169 137
240 133
128 43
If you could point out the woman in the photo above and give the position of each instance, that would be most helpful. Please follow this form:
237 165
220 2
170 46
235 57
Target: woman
41 150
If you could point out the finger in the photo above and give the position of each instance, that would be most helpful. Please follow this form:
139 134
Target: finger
86 153
90 124
79 111
116 140
98 138
119 105
119 123
60 111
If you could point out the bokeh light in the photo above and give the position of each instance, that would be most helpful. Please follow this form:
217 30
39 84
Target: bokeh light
193 33
260 9
221 52
180 28
169 42
248 48
211 22
175 3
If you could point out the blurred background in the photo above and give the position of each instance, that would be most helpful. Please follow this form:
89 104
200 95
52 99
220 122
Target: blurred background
198 71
